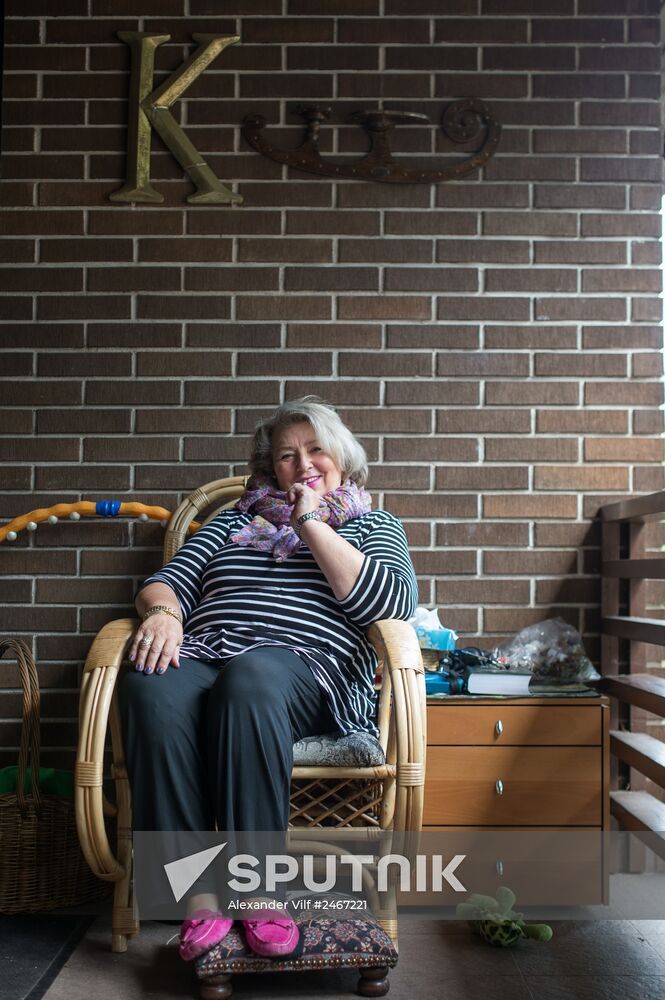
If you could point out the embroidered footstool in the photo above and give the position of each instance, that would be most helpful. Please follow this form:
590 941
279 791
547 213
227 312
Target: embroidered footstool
325 943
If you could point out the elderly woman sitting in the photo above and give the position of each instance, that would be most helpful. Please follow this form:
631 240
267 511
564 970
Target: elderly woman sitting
252 638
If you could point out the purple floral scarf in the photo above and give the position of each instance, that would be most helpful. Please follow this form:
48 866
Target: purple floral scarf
270 530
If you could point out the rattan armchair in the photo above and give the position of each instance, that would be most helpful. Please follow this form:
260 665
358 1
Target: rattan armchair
375 799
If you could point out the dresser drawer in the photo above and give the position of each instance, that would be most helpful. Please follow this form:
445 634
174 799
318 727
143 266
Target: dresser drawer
490 725
541 786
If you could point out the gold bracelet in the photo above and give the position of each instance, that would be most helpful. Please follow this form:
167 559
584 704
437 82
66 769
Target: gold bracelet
158 609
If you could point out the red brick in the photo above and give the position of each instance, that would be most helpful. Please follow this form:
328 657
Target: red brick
85 250
183 421
183 364
622 280
92 477
582 421
482 308
477 196
124 222
227 336
601 337
334 335
432 392
528 57
389 478
434 279
530 280
398 307
627 449
610 86
17 251
530 449
448 563
435 336
647 365
646 310
185 249
530 505
430 449
285 363
42 222
485 420
579 252
83 421
579 477
41 279
572 535
485 477
333 279
453 363
184 476
153 449
386 250
430 223
445 57
190 307
119 335
632 113
478 533
434 506
364 196
529 224
622 224
480 251
482 592
131 392
531 336
126 279
388 364
609 196
579 364
231 279
538 393
276 307
525 563
340 223
624 393
581 308
63 307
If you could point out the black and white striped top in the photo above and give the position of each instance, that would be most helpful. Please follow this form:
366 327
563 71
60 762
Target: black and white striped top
235 598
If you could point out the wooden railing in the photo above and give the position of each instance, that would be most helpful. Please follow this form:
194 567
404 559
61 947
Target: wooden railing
636 755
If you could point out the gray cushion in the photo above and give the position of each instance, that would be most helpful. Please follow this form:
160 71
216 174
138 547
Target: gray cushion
355 750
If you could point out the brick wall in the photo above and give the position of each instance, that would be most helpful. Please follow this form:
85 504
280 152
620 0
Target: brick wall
494 341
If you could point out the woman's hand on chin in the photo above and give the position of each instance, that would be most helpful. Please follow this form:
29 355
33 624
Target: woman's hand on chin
304 499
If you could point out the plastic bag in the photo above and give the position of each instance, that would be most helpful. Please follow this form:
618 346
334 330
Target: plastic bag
550 649
431 633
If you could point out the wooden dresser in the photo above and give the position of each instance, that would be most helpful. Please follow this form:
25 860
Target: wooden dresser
524 764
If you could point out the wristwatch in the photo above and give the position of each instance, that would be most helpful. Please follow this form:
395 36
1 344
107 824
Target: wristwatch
311 515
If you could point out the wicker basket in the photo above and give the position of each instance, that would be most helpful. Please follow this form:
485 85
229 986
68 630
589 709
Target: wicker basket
41 865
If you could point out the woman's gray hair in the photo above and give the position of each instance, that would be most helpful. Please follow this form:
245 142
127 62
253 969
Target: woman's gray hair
331 433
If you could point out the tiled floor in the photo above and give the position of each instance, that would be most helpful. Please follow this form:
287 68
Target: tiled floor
439 960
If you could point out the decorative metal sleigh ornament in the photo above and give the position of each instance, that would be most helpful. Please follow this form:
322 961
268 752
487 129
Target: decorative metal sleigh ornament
462 121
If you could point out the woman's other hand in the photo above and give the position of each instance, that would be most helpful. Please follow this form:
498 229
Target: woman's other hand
304 500
156 644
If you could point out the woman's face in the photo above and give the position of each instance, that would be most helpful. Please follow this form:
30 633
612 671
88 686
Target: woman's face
298 458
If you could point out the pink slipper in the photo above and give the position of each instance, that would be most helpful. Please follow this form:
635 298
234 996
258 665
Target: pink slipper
201 932
272 936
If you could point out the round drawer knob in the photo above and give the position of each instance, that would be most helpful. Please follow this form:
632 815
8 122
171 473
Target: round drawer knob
499 727
499 786
499 867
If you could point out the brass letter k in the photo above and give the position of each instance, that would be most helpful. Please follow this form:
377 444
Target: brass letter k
150 109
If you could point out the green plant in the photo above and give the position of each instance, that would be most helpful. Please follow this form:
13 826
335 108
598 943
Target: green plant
497 922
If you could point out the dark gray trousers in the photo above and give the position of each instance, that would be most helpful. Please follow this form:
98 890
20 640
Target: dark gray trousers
212 742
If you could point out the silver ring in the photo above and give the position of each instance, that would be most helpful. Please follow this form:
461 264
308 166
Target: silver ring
146 640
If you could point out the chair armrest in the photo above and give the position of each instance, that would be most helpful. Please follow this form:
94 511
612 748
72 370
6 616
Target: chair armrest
97 689
403 715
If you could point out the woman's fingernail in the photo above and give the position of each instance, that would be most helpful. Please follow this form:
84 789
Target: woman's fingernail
160 670
132 657
139 666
